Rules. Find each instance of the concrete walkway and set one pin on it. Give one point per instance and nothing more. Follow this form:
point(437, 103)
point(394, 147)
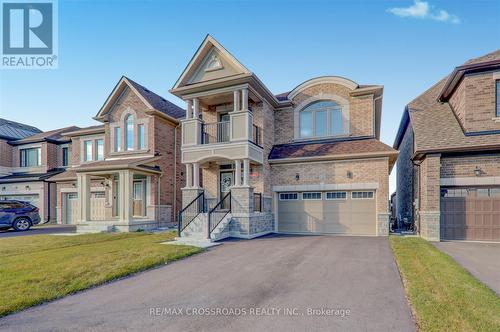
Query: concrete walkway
point(275, 283)
point(482, 260)
point(39, 230)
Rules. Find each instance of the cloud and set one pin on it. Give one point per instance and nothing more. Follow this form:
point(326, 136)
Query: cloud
point(422, 10)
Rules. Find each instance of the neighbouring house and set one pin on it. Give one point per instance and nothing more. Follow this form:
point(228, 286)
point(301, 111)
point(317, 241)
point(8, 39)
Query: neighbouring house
point(448, 171)
point(29, 159)
point(124, 174)
point(305, 161)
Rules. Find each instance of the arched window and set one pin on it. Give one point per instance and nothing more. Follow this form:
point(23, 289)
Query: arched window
point(129, 129)
point(322, 118)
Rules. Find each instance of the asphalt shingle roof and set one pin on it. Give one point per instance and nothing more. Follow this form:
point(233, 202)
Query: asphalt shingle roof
point(158, 102)
point(52, 135)
point(15, 130)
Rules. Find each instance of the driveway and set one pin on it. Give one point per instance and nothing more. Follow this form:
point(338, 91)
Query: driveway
point(482, 260)
point(266, 284)
point(38, 230)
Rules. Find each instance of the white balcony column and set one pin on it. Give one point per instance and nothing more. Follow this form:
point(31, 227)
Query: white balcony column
point(189, 108)
point(236, 101)
point(246, 172)
point(196, 175)
point(237, 173)
point(83, 182)
point(196, 108)
point(244, 99)
point(189, 181)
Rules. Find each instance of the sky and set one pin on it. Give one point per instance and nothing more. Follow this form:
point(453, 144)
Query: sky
point(405, 45)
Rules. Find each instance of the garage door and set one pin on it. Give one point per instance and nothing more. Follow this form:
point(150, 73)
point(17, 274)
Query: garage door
point(470, 213)
point(336, 212)
point(32, 199)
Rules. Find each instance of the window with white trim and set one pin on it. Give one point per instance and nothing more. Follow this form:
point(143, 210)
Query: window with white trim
point(87, 151)
point(336, 195)
point(288, 196)
point(118, 139)
point(362, 195)
point(30, 157)
point(321, 119)
point(141, 143)
point(129, 130)
point(311, 196)
point(99, 149)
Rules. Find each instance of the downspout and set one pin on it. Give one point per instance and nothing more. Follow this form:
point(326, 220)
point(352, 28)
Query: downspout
point(174, 203)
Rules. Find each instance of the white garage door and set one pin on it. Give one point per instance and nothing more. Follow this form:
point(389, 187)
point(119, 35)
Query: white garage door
point(335, 212)
point(32, 199)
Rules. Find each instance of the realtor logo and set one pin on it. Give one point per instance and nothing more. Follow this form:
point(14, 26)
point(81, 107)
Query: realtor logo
point(29, 34)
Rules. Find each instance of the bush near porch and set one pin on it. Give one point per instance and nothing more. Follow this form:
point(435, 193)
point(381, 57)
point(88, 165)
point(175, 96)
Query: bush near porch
point(39, 268)
point(443, 296)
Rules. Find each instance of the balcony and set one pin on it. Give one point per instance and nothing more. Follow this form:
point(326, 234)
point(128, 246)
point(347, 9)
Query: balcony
point(219, 132)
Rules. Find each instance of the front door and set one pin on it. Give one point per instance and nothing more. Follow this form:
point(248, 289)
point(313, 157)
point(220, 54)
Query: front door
point(226, 182)
point(139, 198)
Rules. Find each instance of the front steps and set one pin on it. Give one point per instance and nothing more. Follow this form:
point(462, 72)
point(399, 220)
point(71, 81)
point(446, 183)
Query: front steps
point(94, 228)
point(197, 230)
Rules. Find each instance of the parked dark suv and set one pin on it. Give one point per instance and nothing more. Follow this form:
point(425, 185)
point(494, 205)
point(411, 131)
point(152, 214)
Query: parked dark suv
point(18, 215)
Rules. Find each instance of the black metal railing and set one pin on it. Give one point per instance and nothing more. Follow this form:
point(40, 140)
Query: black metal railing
point(190, 212)
point(257, 202)
point(217, 132)
point(218, 213)
point(257, 135)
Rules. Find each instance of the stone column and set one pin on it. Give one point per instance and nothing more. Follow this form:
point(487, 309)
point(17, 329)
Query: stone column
point(244, 99)
point(246, 172)
point(126, 180)
point(236, 101)
point(189, 109)
point(241, 200)
point(196, 175)
point(196, 108)
point(83, 182)
point(189, 180)
point(237, 173)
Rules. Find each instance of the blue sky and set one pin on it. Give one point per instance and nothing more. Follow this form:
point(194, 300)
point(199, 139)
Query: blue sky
point(404, 45)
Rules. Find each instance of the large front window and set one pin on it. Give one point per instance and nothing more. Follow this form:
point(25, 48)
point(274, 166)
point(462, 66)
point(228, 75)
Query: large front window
point(31, 157)
point(321, 119)
point(129, 124)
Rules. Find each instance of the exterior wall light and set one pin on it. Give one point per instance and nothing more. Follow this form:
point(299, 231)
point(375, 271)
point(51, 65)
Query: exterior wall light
point(297, 176)
point(349, 174)
point(27, 187)
point(477, 171)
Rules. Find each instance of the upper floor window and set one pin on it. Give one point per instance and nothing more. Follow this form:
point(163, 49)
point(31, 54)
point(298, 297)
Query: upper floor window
point(140, 136)
point(100, 149)
point(65, 156)
point(497, 85)
point(87, 151)
point(129, 128)
point(31, 157)
point(322, 118)
point(118, 139)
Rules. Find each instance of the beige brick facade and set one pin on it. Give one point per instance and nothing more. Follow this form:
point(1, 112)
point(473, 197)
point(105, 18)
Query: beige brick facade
point(465, 166)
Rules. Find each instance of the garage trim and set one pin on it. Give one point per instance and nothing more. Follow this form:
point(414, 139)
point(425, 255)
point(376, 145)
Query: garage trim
point(327, 187)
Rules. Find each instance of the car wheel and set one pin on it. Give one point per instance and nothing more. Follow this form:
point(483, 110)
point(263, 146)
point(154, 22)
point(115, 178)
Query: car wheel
point(22, 224)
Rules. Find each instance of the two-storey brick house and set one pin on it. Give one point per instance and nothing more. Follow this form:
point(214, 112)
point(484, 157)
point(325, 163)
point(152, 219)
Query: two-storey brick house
point(29, 158)
point(305, 161)
point(448, 172)
point(124, 174)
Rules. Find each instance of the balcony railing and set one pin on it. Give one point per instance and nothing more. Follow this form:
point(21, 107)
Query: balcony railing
point(257, 135)
point(217, 132)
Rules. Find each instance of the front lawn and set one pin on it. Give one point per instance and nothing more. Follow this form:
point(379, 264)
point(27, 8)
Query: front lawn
point(443, 296)
point(39, 268)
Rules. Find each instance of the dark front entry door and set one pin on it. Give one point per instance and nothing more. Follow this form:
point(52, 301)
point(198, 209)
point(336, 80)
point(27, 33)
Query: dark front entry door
point(226, 182)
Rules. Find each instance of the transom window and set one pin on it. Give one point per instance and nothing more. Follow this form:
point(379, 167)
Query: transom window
point(288, 196)
point(311, 196)
point(362, 195)
point(321, 119)
point(335, 195)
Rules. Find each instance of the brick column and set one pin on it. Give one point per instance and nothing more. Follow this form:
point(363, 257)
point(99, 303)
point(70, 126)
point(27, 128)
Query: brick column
point(430, 195)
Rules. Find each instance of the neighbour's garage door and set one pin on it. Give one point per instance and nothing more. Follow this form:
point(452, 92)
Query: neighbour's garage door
point(32, 199)
point(470, 213)
point(341, 212)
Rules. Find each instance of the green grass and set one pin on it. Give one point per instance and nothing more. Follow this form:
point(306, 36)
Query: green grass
point(443, 296)
point(36, 269)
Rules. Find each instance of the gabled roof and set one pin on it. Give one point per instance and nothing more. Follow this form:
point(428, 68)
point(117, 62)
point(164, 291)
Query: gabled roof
point(436, 128)
point(53, 136)
point(153, 101)
point(207, 45)
point(14, 130)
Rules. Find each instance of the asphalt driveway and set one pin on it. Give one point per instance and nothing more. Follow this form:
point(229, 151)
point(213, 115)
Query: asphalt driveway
point(275, 283)
point(482, 260)
point(38, 230)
